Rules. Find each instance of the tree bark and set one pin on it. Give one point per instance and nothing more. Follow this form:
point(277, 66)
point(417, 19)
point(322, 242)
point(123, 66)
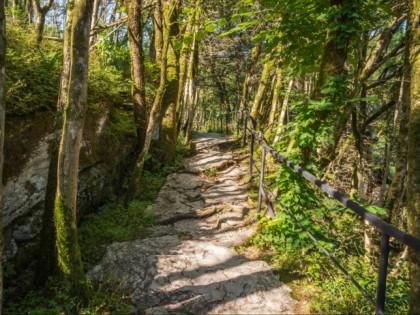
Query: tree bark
point(263, 86)
point(155, 113)
point(158, 30)
point(276, 99)
point(135, 37)
point(255, 54)
point(2, 128)
point(191, 82)
point(413, 182)
point(169, 129)
point(47, 259)
point(69, 257)
point(41, 13)
point(183, 70)
point(396, 187)
point(95, 13)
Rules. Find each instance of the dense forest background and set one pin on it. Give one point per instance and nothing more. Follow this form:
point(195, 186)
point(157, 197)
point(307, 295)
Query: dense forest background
point(112, 90)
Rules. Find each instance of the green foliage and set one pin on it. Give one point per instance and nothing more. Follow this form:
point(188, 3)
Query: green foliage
point(120, 126)
point(58, 298)
point(116, 54)
point(113, 223)
point(33, 75)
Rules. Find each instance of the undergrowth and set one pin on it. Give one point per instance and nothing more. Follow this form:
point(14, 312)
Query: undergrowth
point(302, 265)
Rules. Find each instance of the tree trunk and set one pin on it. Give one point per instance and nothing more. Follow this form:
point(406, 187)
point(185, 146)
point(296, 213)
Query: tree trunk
point(255, 54)
point(396, 187)
point(95, 12)
point(413, 182)
point(283, 113)
point(191, 116)
point(135, 37)
point(262, 89)
point(47, 259)
point(155, 113)
point(332, 65)
point(276, 99)
point(183, 70)
point(68, 250)
point(2, 122)
point(158, 30)
point(41, 13)
point(169, 129)
point(191, 81)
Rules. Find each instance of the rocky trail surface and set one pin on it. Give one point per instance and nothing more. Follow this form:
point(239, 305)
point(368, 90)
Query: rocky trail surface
point(188, 264)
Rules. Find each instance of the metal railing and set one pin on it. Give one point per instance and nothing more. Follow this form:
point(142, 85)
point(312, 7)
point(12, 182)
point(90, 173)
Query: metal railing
point(385, 228)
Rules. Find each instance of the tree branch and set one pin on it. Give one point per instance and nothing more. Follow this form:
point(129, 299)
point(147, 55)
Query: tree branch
point(376, 115)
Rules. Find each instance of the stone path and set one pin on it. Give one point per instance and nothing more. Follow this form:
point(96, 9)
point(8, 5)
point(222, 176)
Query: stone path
point(187, 264)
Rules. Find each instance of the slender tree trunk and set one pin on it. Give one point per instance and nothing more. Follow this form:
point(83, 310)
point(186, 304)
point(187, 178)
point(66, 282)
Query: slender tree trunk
point(255, 54)
point(155, 113)
point(68, 250)
point(158, 30)
point(41, 13)
point(169, 129)
point(263, 86)
point(2, 123)
point(413, 183)
point(95, 12)
point(276, 99)
point(183, 70)
point(397, 184)
point(191, 117)
point(47, 259)
point(283, 113)
point(191, 81)
point(135, 37)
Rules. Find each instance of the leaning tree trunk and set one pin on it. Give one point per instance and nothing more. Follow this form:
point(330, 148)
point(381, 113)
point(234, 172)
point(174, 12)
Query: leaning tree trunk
point(68, 250)
point(135, 37)
point(2, 122)
point(413, 182)
point(47, 258)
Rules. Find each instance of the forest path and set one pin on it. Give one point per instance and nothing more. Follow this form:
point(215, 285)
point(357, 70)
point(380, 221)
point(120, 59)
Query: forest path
point(187, 264)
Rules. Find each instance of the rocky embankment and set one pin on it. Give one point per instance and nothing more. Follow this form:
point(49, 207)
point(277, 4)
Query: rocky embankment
point(102, 160)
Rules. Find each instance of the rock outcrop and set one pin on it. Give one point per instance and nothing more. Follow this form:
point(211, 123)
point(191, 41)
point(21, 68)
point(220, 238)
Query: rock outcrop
point(26, 169)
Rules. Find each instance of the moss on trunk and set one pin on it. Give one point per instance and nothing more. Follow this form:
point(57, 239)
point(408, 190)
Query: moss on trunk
point(68, 250)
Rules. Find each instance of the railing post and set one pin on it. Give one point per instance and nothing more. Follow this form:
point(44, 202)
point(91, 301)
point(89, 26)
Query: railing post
point(382, 274)
point(251, 157)
point(245, 130)
point(261, 180)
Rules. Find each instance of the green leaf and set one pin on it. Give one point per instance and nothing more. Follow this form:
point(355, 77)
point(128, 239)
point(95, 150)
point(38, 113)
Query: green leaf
point(200, 35)
point(210, 28)
point(376, 210)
